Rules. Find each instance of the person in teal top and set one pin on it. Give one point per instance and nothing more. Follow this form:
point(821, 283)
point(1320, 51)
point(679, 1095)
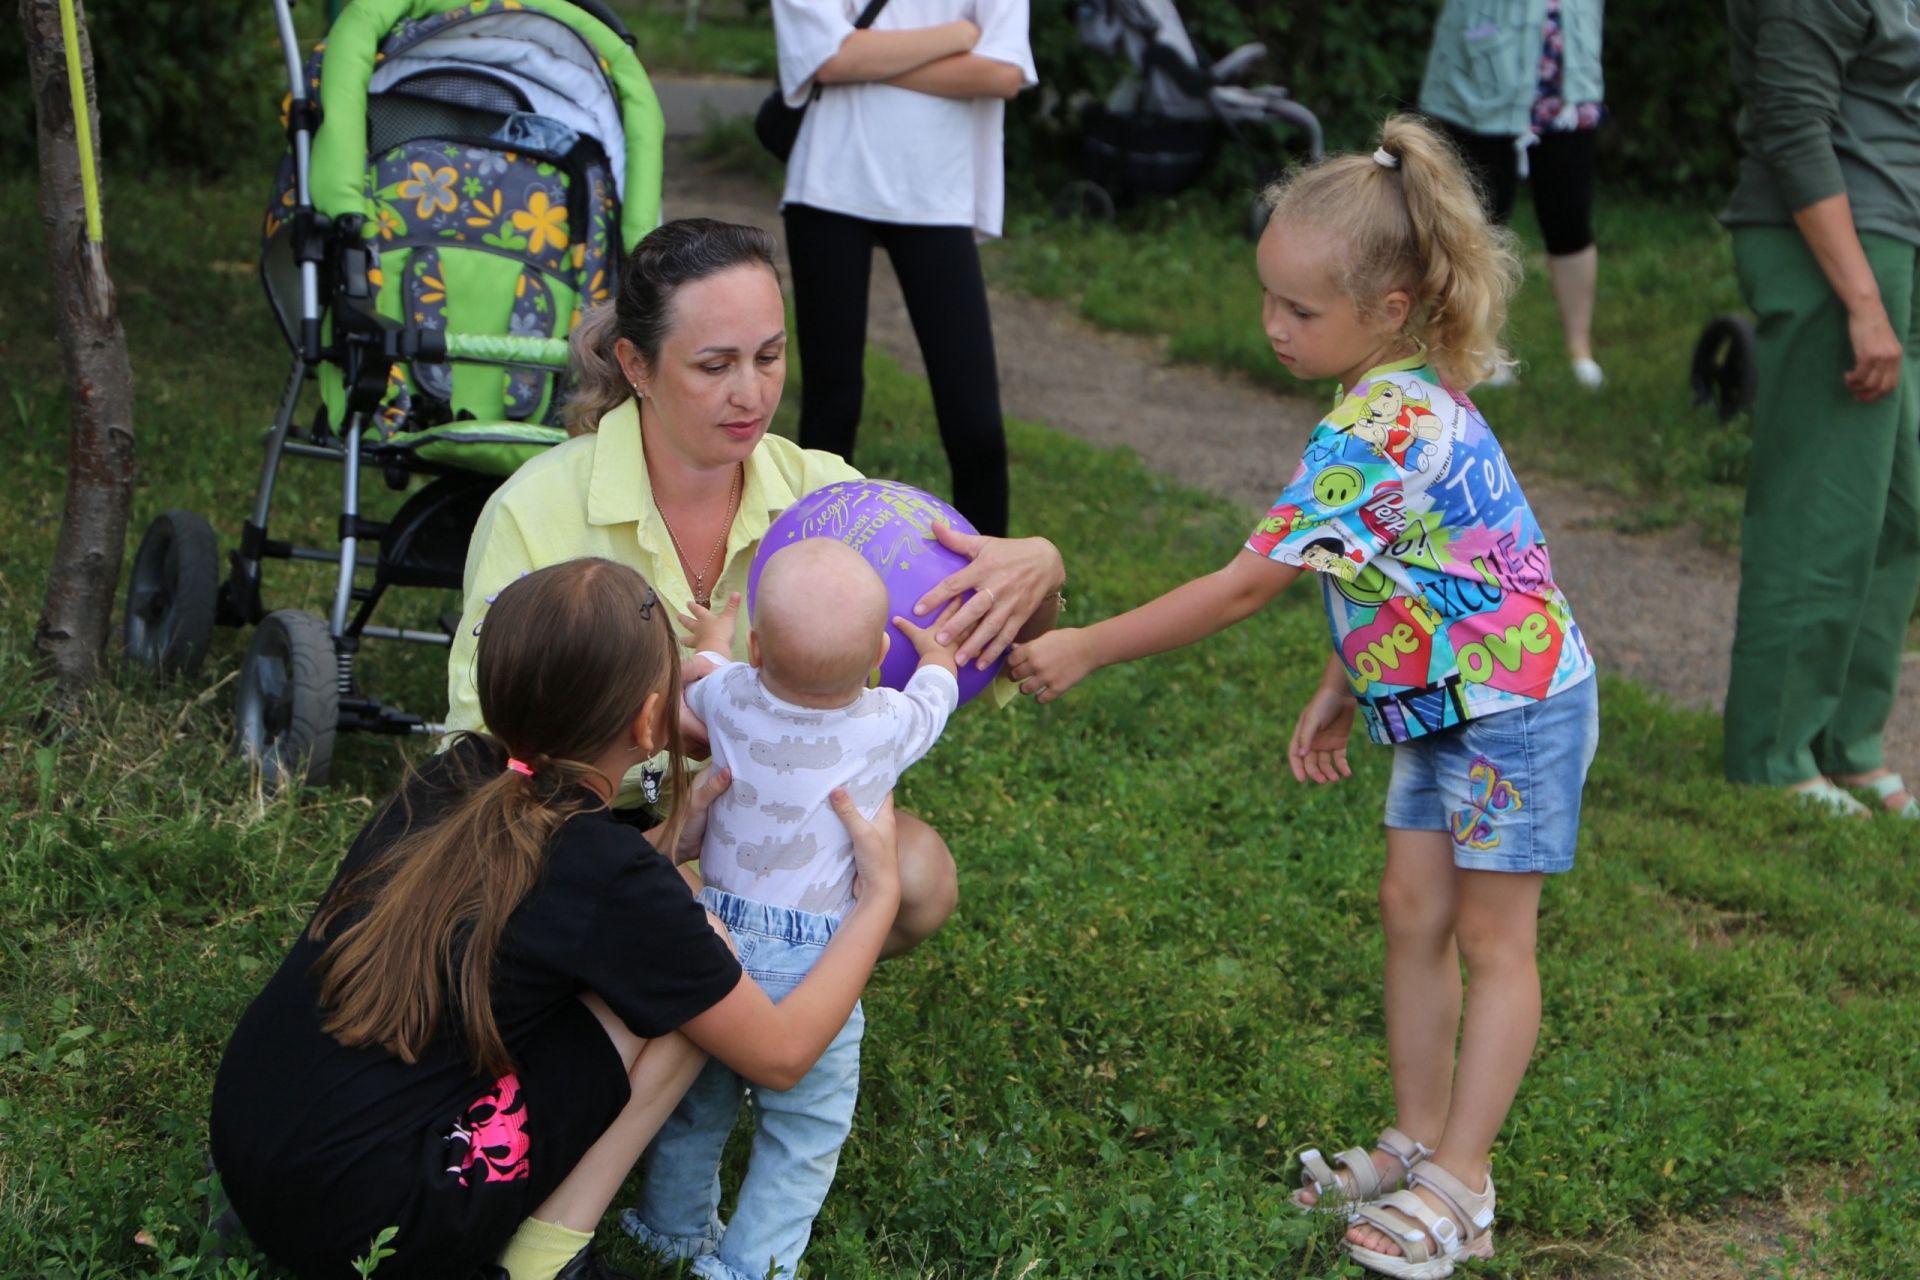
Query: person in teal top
point(1449, 638)
point(1826, 236)
point(1517, 84)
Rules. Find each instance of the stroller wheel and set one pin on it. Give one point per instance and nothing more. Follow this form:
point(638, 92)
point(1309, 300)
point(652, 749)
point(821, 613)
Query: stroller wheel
point(1257, 214)
point(1081, 200)
point(1725, 373)
point(287, 704)
point(171, 593)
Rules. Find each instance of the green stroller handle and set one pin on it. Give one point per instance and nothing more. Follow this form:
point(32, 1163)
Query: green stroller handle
point(496, 348)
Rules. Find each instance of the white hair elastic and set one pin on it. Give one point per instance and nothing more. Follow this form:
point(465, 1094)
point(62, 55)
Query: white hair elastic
point(1385, 158)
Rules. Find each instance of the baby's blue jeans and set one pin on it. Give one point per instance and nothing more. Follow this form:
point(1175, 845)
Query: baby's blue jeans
point(797, 1132)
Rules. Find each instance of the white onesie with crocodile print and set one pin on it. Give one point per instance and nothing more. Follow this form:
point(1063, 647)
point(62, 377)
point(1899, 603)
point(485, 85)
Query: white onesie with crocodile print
point(774, 837)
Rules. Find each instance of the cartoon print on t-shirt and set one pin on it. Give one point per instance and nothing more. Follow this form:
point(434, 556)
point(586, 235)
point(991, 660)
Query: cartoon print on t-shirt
point(1329, 556)
point(777, 853)
point(868, 791)
point(1435, 572)
point(1281, 521)
point(1393, 424)
point(791, 753)
point(784, 814)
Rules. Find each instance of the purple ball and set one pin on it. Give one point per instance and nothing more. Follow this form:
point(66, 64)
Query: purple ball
point(891, 525)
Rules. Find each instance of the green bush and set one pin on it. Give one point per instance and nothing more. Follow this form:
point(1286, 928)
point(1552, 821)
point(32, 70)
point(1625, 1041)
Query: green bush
point(183, 84)
point(1668, 84)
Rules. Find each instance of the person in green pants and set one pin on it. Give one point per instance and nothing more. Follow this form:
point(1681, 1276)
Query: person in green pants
point(1826, 235)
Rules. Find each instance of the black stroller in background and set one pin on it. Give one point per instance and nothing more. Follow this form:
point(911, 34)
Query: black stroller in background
point(1155, 133)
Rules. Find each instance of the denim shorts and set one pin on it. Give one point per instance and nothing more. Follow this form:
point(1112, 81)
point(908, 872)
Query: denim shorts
point(1505, 787)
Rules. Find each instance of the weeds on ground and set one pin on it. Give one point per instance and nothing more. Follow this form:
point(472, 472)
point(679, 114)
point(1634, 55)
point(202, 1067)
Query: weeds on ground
point(1163, 978)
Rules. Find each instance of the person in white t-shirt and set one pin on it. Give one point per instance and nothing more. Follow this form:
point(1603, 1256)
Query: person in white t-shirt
point(903, 147)
point(789, 727)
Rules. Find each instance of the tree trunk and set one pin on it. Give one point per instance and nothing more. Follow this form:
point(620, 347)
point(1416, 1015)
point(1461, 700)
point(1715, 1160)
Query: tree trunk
point(72, 634)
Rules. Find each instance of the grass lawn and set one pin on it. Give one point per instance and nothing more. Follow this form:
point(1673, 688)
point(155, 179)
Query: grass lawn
point(728, 42)
point(1164, 975)
point(1184, 269)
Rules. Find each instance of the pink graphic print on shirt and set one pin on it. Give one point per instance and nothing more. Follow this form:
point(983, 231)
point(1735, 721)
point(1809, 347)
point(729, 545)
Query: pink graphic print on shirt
point(492, 1136)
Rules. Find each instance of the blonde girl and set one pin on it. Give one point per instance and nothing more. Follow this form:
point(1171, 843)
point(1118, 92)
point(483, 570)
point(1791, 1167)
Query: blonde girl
point(1450, 640)
point(506, 989)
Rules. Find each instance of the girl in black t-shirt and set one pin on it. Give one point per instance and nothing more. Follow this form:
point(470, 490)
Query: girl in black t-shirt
point(506, 989)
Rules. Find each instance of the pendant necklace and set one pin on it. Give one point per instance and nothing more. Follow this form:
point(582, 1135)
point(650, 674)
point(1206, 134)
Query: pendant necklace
point(700, 592)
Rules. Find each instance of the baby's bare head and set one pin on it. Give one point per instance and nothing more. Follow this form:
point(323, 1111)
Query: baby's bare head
point(818, 615)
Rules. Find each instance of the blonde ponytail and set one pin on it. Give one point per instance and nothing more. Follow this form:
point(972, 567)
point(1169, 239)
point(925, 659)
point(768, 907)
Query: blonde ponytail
point(1415, 224)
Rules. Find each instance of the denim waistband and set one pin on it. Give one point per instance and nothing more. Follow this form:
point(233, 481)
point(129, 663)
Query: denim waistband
point(789, 924)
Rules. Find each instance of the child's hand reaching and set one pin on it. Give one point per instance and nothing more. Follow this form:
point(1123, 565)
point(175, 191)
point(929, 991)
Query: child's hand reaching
point(1049, 665)
point(926, 640)
point(710, 631)
point(1318, 752)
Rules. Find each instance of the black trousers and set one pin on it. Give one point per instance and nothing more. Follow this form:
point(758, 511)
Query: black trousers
point(1561, 174)
point(939, 270)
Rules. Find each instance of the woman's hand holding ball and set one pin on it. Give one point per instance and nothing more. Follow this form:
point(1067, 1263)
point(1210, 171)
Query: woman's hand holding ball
point(1009, 578)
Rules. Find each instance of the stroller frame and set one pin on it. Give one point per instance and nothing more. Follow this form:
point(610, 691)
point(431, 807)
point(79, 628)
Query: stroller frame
point(298, 685)
point(1154, 134)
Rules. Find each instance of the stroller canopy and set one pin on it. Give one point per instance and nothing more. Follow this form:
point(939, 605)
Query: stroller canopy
point(564, 62)
point(1150, 35)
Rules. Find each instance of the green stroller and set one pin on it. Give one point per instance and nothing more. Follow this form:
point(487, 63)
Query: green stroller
point(462, 180)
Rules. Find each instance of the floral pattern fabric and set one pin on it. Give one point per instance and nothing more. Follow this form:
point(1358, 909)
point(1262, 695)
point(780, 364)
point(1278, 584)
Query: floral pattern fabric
point(432, 192)
point(429, 196)
point(1439, 589)
point(1550, 114)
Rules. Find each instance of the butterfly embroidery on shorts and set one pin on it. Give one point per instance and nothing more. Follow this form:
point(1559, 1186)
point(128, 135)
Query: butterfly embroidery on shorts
point(1488, 796)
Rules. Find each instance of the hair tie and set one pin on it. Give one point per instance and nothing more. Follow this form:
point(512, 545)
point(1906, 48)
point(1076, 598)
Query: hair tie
point(520, 767)
point(1385, 158)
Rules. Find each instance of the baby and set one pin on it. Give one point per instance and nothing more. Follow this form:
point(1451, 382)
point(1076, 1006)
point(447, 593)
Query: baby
point(792, 723)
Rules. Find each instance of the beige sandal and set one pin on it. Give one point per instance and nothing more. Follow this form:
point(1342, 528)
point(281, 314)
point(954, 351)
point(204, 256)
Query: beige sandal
point(1884, 789)
point(1362, 1178)
point(1430, 1242)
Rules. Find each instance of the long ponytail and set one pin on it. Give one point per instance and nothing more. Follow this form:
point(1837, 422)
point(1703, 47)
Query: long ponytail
point(1415, 223)
point(568, 656)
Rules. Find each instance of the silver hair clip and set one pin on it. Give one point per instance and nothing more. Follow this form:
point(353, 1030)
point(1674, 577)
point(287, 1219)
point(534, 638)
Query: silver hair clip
point(646, 606)
point(1385, 158)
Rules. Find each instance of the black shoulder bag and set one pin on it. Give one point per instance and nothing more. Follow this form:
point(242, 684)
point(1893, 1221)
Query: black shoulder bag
point(776, 124)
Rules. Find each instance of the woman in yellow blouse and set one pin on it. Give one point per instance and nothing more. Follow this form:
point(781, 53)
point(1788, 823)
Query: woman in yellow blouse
point(671, 471)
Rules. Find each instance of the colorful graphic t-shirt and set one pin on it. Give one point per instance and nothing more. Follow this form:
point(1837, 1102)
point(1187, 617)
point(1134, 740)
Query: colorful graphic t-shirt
point(1438, 586)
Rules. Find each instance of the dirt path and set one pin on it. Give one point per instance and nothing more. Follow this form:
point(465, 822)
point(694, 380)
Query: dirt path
point(1655, 607)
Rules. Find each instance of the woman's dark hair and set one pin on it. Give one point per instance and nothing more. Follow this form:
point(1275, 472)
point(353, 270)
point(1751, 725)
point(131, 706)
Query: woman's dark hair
point(567, 657)
point(669, 257)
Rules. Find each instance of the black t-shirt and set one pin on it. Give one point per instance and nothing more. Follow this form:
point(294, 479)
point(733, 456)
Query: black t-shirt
point(301, 1122)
